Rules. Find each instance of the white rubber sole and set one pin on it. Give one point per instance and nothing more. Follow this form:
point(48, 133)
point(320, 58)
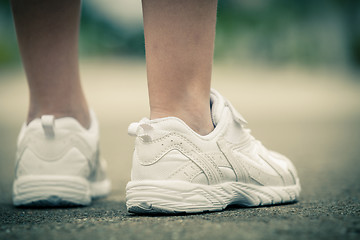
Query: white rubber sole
point(57, 191)
point(174, 197)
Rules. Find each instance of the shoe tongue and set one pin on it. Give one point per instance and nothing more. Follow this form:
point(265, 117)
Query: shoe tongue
point(217, 104)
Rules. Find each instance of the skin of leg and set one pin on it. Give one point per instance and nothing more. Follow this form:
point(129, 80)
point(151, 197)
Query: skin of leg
point(179, 41)
point(47, 32)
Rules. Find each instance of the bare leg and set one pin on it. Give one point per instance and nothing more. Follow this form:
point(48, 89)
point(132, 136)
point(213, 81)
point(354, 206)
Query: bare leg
point(47, 32)
point(179, 40)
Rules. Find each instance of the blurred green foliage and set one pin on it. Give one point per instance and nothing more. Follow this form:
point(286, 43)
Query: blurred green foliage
point(101, 35)
point(8, 47)
point(322, 32)
point(290, 31)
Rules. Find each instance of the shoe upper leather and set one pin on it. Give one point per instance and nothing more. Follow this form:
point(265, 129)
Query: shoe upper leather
point(62, 146)
point(167, 148)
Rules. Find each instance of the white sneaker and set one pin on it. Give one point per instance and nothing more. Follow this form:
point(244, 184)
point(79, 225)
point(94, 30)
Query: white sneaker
point(175, 170)
point(58, 163)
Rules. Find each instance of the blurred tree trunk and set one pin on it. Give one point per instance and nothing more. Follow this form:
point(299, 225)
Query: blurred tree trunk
point(352, 31)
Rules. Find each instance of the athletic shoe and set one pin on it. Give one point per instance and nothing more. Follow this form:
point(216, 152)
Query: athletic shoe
point(58, 163)
point(176, 170)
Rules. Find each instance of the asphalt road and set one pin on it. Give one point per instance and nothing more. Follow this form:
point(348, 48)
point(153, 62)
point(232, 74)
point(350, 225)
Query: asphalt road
point(311, 116)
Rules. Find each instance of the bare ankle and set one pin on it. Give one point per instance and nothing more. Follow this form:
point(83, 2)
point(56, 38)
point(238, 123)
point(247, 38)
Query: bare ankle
point(82, 115)
point(200, 123)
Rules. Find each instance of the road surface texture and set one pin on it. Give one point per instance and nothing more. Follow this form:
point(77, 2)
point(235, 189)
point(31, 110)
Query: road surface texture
point(312, 116)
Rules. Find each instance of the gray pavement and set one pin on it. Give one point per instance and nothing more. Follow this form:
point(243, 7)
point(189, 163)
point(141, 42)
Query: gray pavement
point(311, 116)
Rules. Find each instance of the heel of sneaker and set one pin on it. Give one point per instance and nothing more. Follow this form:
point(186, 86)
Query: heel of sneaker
point(51, 191)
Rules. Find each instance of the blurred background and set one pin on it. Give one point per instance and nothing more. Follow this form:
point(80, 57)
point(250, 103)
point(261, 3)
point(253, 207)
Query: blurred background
point(275, 32)
point(284, 32)
point(291, 68)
